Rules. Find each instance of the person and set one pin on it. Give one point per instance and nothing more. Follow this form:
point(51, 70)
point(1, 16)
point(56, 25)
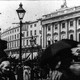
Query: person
point(68, 67)
point(5, 66)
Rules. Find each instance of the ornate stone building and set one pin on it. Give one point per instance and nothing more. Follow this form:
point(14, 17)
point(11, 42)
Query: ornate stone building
point(29, 29)
point(63, 23)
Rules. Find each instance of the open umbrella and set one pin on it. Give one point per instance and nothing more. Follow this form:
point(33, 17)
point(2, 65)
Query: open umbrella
point(59, 51)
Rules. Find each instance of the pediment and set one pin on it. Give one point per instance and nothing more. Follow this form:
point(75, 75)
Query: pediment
point(63, 32)
point(55, 33)
point(71, 31)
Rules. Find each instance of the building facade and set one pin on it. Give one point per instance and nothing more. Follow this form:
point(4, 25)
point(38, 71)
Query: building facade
point(12, 36)
point(61, 24)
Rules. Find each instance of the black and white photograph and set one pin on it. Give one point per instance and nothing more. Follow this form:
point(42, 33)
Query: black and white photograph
point(39, 40)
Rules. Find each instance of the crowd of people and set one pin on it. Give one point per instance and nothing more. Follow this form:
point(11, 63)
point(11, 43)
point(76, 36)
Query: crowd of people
point(58, 62)
point(63, 59)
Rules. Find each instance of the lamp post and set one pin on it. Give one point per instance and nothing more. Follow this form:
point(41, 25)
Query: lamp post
point(32, 46)
point(21, 12)
point(0, 33)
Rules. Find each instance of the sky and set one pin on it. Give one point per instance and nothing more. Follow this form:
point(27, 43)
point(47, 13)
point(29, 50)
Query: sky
point(34, 10)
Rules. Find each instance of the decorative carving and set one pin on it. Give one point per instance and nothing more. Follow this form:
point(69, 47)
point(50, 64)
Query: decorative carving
point(63, 32)
point(64, 4)
point(48, 34)
point(71, 31)
point(55, 33)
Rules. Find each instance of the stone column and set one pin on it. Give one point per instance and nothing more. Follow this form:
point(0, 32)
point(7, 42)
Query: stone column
point(59, 31)
point(44, 36)
point(67, 29)
point(51, 33)
point(75, 29)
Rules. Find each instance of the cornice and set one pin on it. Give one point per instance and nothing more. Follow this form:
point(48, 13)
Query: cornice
point(62, 11)
point(9, 29)
point(61, 18)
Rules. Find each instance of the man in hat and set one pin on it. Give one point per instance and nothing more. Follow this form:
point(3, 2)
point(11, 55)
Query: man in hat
point(5, 62)
point(69, 68)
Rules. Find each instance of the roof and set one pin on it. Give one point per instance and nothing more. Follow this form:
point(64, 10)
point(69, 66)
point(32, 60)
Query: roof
point(62, 11)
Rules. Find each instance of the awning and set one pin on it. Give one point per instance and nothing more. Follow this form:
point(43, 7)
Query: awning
point(29, 55)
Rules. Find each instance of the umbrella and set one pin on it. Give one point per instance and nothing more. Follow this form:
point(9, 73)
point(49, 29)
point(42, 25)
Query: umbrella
point(59, 51)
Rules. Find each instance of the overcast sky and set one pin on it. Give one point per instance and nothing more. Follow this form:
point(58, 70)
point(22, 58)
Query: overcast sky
point(34, 9)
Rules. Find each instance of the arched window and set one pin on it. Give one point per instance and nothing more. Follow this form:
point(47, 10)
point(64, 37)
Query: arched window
point(71, 37)
point(56, 40)
point(49, 43)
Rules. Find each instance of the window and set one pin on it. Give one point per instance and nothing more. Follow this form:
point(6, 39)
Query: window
point(35, 41)
point(55, 40)
point(31, 32)
point(9, 45)
point(49, 28)
point(63, 25)
point(18, 43)
point(71, 23)
point(34, 32)
point(56, 26)
point(23, 34)
point(17, 36)
point(17, 29)
point(71, 37)
point(10, 37)
point(26, 27)
point(79, 22)
point(31, 26)
point(15, 44)
point(23, 42)
point(34, 25)
point(27, 33)
point(12, 44)
point(26, 42)
point(49, 43)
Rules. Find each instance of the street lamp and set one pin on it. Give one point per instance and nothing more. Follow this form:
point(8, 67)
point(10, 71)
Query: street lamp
point(21, 12)
point(32, 41)
point(0, 33)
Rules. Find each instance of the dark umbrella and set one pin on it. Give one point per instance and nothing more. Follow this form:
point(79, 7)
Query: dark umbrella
point(59, 51)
